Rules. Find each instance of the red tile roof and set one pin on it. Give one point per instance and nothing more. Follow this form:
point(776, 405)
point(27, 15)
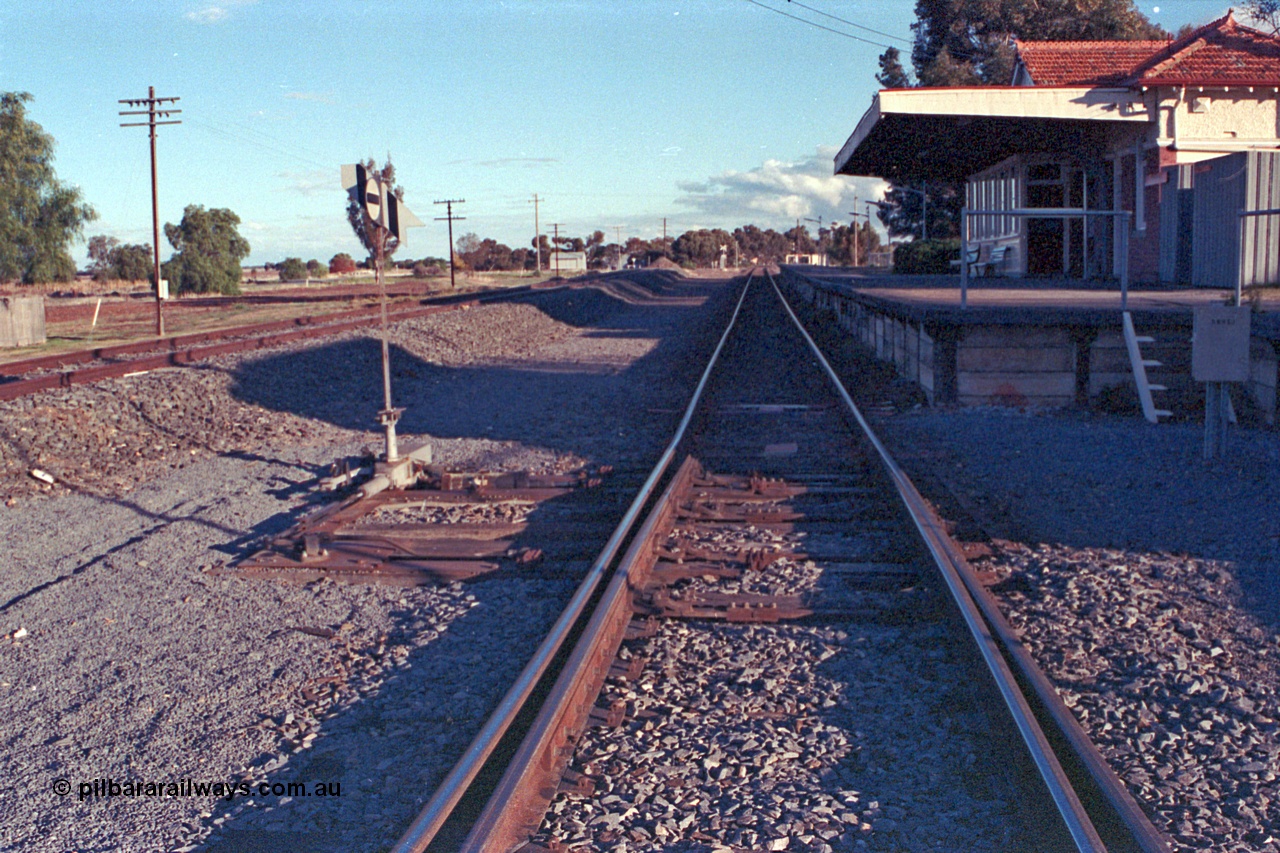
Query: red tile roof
point(1220, 52)
point(1084, 63)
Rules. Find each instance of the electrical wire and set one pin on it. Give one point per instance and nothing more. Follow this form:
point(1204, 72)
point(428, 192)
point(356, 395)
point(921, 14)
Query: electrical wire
point(820, 26)
point(851, 23)
point(275, 148)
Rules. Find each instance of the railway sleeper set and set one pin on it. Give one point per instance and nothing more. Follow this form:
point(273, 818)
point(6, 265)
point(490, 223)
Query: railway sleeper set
point(778, 648)
point(773, 664)
point(21, 377)
point(786, 655)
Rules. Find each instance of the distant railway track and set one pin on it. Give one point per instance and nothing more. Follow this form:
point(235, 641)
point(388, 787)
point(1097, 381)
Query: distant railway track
point(786, 526)
point(42, 373)
point(142, 306)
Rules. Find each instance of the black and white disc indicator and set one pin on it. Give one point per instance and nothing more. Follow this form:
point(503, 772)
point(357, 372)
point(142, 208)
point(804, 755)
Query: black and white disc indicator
point(373, 200)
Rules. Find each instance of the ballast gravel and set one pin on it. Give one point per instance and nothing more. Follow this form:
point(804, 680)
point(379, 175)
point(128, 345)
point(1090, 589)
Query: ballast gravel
point(127, 658)
point(817, 738)
point(1144, 580)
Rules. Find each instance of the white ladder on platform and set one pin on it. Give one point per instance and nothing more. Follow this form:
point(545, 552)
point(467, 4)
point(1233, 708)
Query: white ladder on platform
point(1140, 365)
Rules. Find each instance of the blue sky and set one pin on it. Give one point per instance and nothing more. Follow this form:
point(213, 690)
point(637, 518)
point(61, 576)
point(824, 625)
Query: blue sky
point(712, 113)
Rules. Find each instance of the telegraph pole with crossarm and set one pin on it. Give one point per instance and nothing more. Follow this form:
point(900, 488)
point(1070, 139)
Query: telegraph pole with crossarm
point(155, 116)
point(449, 203)
point(537, 236)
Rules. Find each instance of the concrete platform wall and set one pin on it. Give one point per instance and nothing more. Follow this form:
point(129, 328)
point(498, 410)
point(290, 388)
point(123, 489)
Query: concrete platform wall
point(973, 363)
point(21, 321)
point(1015, 366)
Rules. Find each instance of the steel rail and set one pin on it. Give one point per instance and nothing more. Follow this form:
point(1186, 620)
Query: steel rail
point(936, 539)
point(179, 357)
point(173, 342)
point(1148, 838)
point(518, 802)
point(173, 353)
point(450, 791)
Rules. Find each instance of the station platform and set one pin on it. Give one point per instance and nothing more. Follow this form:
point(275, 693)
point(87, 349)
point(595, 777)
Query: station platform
point(1029, 342)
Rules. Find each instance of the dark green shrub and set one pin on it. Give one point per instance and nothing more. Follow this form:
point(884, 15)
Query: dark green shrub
point(926, 257)
point(292, 269)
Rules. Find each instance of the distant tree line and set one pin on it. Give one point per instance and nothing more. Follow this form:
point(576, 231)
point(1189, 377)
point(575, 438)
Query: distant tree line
point(693, 248)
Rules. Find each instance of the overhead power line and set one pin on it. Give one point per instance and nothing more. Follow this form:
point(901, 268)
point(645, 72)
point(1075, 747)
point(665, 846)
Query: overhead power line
point(275, 146)
point(852, 24)
point(820, 26)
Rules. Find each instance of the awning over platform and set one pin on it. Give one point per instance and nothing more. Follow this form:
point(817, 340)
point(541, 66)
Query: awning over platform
point(947, 134)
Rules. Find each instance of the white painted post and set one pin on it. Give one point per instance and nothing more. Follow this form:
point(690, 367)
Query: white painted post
point(1124, 260)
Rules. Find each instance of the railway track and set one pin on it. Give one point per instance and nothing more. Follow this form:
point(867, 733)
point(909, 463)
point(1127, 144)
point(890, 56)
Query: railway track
point(41, 373)
point(788, 655)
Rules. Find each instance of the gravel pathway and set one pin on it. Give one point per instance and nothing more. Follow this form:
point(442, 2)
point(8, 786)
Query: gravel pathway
point(124, 659)
point(1144, 580)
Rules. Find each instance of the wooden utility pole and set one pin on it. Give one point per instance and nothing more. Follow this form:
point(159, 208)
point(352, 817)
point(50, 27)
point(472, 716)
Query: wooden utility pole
point(449, 203)
point(555, 245)
point(153, 114)
point(537, 238)
point(617, 230)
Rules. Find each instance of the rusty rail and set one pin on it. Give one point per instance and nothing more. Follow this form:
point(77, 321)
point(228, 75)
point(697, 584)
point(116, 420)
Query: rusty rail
point(181, 349)
point(976, 603)
point(519, 801)
point(535, 772)
point(451, 789)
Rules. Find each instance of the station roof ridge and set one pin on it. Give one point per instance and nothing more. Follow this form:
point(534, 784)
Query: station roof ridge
point(1220, 52)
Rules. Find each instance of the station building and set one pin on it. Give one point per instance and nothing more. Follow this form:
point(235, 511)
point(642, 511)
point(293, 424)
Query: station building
point(1115, 161)
point(1104, 126)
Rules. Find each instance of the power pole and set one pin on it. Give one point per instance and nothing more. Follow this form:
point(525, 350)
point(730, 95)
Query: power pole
point(664, 231)
point(617, 230)
point(152, 113)
point(449, 203)
point(537, 238)
point(855, 216)
point(555, 245)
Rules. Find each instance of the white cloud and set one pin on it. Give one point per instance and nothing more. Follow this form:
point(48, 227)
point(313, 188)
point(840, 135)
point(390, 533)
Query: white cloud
point(215, 12)
point(776, 193)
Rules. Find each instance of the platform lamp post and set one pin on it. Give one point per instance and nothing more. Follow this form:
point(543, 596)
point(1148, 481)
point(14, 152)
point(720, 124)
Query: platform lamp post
point(855, 214)
point(819, 221)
